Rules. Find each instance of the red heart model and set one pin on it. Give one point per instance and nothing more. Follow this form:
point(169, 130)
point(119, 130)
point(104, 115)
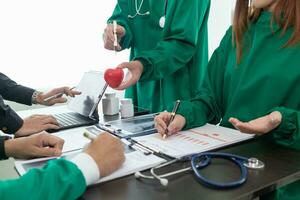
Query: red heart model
point(114, 77)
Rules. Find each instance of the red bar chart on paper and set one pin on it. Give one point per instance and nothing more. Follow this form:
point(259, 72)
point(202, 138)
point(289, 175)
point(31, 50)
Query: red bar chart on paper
point(193, 141)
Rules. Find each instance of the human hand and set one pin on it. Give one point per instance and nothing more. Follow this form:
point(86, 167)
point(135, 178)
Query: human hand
point(38, 145)
point(108, 36)
point(37, 123)
point(260, 125)
point(161, 123)
point(135, 70)
point(56, 96)
point(108, 153)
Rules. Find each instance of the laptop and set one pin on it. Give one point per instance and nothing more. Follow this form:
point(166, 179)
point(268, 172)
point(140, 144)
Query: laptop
point(83, 108)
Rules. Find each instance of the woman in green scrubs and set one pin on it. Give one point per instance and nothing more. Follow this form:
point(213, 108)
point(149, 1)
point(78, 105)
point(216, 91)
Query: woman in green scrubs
point(169, 48)
point(253, 79)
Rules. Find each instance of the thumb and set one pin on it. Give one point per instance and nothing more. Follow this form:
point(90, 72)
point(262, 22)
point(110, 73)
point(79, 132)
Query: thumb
point(123, 65)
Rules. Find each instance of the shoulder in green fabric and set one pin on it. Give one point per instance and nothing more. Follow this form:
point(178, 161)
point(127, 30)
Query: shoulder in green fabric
point(60, 180)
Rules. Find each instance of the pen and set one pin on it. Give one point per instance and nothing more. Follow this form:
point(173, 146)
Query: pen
point(149, 150)
point(56, 96)
point(89, 136)
point(171, 118)
point(115, 36)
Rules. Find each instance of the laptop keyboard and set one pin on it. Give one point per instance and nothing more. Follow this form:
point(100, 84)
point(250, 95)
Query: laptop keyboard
point(70, 120)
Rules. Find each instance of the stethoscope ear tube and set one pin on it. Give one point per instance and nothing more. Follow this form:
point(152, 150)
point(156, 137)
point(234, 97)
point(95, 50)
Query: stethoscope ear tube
point(202, 160)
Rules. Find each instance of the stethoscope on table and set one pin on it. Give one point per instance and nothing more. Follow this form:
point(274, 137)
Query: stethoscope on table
point(202, 160)
point(138, 8)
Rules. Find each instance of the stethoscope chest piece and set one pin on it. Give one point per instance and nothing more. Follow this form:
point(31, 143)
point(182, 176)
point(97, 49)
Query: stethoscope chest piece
point(162, 22)
point(254, 163)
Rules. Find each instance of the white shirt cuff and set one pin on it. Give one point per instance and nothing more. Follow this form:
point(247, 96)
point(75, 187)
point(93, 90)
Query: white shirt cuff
point(88, 167)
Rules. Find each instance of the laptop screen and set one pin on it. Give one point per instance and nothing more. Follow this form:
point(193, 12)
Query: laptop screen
point(90, 87)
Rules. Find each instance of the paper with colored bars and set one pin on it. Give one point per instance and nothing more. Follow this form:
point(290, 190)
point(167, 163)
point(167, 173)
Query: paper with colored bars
point(193, 141)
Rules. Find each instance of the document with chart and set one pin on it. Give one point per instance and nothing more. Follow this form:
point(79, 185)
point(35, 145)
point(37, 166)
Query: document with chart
point(193, 141)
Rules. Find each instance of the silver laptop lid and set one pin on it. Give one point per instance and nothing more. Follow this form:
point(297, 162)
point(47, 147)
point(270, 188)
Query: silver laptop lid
point(90, 87)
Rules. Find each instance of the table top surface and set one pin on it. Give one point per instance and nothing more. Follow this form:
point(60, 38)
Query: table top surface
point(281, 168)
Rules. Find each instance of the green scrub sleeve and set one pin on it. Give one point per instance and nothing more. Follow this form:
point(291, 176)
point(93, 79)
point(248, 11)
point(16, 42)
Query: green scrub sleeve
point(60, 180)
point(180, 38)
point(206, 106)
point(120, 14)
point(288, 133)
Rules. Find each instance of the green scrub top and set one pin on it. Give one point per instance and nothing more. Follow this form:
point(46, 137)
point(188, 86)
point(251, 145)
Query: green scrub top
point(174, 57)
point(267, 79)
point(59, 180)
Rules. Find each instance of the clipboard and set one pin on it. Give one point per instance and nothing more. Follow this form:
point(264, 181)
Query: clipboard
point(131, 127)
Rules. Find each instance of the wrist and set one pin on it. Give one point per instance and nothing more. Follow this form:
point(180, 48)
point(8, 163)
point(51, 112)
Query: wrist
point(140, 65)
point(88, 167)
point(9, 147)
point(37, 97)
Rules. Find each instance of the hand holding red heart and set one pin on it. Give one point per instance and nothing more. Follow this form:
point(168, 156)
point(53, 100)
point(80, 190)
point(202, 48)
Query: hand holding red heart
point(114, 77)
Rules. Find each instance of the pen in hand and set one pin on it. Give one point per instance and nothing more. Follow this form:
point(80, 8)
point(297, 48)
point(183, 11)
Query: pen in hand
point(89, 136)
point(115, 35)
point(56, 96)
point(173, 114)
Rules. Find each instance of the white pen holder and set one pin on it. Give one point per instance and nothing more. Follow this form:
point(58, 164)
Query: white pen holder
point(110, 104)
point(126, 108)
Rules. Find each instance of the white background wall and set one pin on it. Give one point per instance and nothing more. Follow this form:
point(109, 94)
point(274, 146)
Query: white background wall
point(48, 43)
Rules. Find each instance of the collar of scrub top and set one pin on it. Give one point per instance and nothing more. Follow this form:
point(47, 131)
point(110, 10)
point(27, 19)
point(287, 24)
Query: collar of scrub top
point(138, 8)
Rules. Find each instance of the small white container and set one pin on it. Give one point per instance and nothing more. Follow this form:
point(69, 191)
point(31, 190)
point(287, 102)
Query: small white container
point(126, 108)
point(110, 104)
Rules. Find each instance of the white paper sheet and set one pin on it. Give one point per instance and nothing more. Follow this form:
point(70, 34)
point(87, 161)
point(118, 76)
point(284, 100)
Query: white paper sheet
point(193, 141)
point(74, 139)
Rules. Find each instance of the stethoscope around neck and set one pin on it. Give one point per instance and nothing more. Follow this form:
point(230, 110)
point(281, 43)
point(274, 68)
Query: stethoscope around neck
point(202, 160)
point(138, 8)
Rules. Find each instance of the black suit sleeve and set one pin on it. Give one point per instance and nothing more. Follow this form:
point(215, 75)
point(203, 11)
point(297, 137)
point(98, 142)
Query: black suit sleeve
point(10, 121)
point(12, 91)
point(2, 149)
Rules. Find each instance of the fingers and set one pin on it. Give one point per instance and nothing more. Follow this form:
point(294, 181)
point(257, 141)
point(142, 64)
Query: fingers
point(47, 152)
point(120, 31)
point(56, 91)
point(160, 122)
point(47, 122)
point(241, 126)
point(47, 145)
point(50, 126)
point(108, 37)
point(55, 95)
point(176, 125)
point(53, 141)
point(124, 65)
point(126, 84)
point(73, 93)
point(49, 119)
point(132, 76)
